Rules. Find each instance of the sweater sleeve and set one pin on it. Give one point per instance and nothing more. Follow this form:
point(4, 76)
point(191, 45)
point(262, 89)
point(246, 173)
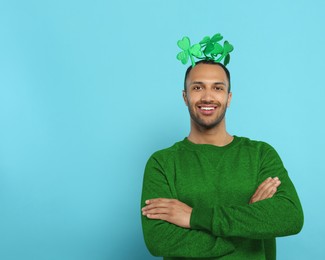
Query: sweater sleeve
point(168, 240)
point(280, 215)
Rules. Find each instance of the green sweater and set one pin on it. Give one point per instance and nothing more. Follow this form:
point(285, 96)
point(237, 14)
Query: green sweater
point(218, 182)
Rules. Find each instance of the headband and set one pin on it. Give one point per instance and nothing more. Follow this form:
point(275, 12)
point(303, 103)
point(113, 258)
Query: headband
point(207, 49)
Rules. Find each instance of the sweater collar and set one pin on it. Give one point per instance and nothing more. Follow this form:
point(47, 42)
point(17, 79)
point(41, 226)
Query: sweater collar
point(194, 146)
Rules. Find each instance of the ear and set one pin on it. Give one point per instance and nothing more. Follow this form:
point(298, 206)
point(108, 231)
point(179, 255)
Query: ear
point(229, 99)
point(185, 98)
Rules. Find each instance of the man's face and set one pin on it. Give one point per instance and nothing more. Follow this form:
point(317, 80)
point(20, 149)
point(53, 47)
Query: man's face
point(206, 95)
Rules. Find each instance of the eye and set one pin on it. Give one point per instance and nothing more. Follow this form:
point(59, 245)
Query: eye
point(197, 87)
point(218, 88)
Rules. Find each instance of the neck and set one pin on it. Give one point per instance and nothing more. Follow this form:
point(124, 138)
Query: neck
point(217, 136)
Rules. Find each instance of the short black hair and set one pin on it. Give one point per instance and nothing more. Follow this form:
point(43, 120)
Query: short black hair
point(211, 62)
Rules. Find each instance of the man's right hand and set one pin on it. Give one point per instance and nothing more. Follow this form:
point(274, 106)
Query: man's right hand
point(266, 190)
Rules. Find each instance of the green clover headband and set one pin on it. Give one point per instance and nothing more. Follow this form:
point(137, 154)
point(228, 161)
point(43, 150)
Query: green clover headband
point(207, 49)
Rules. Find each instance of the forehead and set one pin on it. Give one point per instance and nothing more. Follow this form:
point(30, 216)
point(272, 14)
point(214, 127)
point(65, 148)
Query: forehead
point(207, 73)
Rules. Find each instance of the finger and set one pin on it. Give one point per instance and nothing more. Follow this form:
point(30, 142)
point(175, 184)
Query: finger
point(262, 185)
point(158, 216)
point(270, 193)
point(157, 204)
point(151, 201)
point(273, 190)
point(265, 189)
point(277, 183)
point(269, 189)
point(156, 211)
point(154, 202)
point(257, 195)
point(267, 182)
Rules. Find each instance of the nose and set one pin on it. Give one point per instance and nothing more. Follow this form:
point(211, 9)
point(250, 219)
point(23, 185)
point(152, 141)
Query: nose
point(207, 95)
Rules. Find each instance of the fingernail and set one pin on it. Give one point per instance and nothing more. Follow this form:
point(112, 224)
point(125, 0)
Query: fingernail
point(147, 201)
point(276, 178)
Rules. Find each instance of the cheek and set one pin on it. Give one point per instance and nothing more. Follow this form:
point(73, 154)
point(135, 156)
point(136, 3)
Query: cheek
point(189, 100)
point(193, 98)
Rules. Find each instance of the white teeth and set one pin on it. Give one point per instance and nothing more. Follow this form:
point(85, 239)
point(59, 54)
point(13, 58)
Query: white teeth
point(207, 108)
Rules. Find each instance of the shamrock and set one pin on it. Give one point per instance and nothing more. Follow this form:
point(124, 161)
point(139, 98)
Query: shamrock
point(188, 51)
point(207, 49)
point(227, 48)
point(212, 47)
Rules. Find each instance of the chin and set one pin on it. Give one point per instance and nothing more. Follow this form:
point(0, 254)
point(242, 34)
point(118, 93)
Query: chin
point(208, 125)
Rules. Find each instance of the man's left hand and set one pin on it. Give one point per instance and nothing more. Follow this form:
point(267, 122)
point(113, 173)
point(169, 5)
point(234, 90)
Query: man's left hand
point(170, 210)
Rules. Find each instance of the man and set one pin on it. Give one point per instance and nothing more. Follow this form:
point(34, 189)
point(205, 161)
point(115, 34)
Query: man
point(214, 195)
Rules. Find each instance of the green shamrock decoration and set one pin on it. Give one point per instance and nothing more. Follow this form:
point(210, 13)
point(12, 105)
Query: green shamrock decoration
point(188, 51)
point(207, 49)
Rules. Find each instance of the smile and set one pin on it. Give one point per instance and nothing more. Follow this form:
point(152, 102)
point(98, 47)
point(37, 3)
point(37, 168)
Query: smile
point(207, 108)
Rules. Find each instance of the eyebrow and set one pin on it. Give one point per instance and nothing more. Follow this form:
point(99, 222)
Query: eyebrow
point(202, 83)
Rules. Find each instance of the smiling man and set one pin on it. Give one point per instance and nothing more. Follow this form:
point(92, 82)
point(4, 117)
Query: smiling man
point(215, 195)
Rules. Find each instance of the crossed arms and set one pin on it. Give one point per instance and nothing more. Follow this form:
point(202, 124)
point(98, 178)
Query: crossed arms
point(178, 213)
point(173, 229)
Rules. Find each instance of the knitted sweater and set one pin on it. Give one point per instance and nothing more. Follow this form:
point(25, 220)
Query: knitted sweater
point(218, 182)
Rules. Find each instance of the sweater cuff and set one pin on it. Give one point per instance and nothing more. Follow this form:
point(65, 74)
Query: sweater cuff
point(201, 219)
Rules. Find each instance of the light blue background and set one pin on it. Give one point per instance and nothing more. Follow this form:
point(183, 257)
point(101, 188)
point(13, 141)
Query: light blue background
point(89, 89)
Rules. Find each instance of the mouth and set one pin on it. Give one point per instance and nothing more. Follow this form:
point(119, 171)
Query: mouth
point(207, 109)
